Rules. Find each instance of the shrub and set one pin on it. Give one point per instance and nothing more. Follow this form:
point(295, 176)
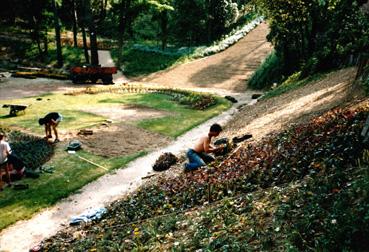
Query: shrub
point(270, 71)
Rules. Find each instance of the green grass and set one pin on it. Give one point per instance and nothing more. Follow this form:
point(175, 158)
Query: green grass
point(73, 108)
point(139, 63)
point(50, 188)
point(181, 118)
point(70, 174)
point(292, 83)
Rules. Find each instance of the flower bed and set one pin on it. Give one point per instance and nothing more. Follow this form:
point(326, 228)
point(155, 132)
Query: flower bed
point(194, 100)
point(33, 151)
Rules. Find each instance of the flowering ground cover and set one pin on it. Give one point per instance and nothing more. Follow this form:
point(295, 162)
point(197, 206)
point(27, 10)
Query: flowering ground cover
point(302, 189)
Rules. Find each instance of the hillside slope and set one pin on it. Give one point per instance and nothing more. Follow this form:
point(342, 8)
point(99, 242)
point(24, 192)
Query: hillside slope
point(299, 188)
point(296, 106)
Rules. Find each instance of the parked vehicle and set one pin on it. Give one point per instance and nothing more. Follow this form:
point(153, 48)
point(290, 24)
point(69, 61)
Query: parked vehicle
point(92, 74)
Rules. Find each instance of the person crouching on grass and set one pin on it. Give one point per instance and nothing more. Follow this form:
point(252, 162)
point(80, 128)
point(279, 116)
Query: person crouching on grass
point(51, 120)
point(198, 156)
point(4, 162)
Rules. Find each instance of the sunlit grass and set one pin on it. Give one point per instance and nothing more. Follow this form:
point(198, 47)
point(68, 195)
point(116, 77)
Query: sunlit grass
point(73, 109)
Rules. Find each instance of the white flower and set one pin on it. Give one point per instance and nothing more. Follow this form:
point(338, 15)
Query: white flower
point(334, 221)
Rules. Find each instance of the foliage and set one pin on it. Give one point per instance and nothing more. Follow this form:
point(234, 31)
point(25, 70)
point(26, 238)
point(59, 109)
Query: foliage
point(287, 191)
point(316, 35)
point(293, 82)
point(270, 71)
point(138, 63)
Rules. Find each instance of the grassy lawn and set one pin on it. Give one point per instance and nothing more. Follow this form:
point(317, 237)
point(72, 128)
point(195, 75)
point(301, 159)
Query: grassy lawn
point(49, 188)
point(181, 118)
point(73, 108)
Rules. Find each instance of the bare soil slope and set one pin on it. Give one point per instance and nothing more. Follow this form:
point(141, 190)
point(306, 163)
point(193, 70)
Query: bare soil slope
point(227, 70)
point(297, 106)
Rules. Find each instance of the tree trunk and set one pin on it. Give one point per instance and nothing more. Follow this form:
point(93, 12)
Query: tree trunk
point(93, 46)
point(75, 22)
point(164, 29)
point(85, 48)
point(36, 37)
point(124, 6)
point(46, 45)
point(93, 35)
point(59, 55)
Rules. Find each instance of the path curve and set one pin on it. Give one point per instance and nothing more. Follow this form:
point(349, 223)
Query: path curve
point(228, 70)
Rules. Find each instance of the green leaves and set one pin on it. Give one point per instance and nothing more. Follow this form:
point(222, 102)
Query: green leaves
point(161, 5)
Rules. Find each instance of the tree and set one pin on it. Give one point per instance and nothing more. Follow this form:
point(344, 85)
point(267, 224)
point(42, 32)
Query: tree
point(162, 7)
point(190, 17)
point(222, 13)
point(59, 55)
point(315, 34)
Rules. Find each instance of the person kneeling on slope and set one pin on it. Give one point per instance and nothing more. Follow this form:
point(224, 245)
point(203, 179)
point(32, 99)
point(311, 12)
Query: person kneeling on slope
point(199, 155)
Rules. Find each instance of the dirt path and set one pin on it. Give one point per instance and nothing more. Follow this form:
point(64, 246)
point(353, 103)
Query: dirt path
point(228, 70)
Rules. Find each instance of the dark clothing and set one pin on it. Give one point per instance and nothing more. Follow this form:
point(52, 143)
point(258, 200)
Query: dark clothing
point(197, 159)
point(51, 116)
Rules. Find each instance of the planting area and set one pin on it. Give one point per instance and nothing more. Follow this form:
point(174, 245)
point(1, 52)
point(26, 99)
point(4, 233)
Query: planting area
point(124, 125)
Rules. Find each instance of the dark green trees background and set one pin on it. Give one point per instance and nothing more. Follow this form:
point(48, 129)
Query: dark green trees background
point(175, 22)
point(309, 36)
point(313, 36)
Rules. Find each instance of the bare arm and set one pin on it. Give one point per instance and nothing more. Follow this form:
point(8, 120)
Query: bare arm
point(46, 130)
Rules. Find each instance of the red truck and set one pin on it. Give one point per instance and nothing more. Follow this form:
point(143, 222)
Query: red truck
point(92, 74)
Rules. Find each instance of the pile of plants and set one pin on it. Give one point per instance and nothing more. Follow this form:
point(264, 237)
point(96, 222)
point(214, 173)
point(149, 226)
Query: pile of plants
point(192, 99)
point(165, 161)
point(288, 189)
point(33, 151)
